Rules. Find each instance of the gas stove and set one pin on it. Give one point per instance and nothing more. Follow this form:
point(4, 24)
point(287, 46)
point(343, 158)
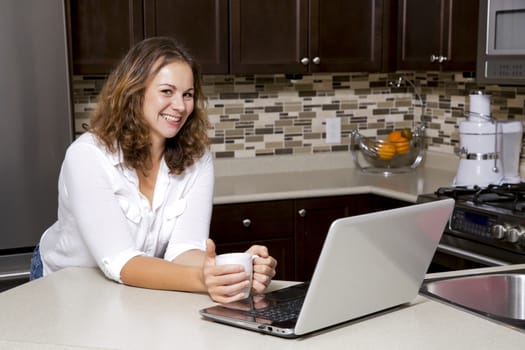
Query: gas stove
point(506, 198)
point(487, 225)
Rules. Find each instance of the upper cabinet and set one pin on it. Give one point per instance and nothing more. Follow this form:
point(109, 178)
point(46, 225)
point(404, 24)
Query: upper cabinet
point(348, 36)
point(281, 36)
point(101, 32)
point(437, 34)
point(200, 25)
point(268, 36)
point(300, 36)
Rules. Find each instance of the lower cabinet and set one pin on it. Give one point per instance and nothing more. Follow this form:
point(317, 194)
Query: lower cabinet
point(293, 230)
point(236, 227)
point(313, 217)
point(378, 203)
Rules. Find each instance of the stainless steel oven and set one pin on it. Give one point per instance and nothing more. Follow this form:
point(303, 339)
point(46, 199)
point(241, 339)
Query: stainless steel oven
point(486, 228)
point(501, 43)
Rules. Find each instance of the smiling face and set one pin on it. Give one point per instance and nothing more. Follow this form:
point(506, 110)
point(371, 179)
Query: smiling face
point(168, 101)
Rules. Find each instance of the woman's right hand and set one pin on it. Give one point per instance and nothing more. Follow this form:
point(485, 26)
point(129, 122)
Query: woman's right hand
point(224, 283)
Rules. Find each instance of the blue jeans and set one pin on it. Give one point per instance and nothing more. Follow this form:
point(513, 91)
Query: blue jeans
point(37, 270)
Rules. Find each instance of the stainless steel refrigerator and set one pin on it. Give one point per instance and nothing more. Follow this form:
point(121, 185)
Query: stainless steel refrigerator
point(35, 126)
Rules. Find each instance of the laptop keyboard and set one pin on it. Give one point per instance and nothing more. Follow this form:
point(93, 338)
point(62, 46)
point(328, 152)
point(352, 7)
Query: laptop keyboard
point(279, 313)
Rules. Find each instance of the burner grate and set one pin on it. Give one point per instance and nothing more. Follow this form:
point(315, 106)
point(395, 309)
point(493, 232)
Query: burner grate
point(456, 192)
point(508, 196)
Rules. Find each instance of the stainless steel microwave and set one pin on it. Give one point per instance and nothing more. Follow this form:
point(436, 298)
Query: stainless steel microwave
point(501, 42)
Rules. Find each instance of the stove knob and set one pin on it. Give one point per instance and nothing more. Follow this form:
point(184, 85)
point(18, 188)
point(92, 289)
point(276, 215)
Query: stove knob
point(498, 231)
point(521, 241)
point(513, 235)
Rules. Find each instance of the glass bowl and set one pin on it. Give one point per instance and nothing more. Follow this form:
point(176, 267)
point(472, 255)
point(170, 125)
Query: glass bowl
point(400, 151)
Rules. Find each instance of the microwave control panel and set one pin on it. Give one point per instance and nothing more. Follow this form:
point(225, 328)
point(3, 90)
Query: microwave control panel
point(505, 69)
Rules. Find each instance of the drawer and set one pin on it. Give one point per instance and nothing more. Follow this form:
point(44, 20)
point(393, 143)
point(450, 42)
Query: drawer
point(252, 221)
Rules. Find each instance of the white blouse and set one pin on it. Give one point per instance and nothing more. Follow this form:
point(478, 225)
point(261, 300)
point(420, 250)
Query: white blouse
point(104, 220)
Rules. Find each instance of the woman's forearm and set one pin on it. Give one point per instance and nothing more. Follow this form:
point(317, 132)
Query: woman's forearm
point(156, 273)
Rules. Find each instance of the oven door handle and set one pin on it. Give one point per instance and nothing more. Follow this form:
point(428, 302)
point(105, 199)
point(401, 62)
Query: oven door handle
point(14, 275)
point(445, 248)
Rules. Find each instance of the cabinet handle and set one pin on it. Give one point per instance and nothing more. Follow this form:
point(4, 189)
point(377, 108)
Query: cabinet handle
point(305, 61)
point(316, 60)
point(246, 222)
point(439, 59)
point(302, 212)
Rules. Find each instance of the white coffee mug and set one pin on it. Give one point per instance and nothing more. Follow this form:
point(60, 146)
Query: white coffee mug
point(243, 259)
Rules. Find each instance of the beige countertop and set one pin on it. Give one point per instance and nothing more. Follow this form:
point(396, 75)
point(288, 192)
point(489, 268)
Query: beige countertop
point(323, 175)
point(77, 308)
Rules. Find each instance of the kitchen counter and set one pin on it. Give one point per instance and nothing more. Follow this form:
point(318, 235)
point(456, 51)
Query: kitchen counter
point(77, 308)
point(275, 178)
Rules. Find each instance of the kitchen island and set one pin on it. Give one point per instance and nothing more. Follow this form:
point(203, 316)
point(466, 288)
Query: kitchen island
point(78, 308)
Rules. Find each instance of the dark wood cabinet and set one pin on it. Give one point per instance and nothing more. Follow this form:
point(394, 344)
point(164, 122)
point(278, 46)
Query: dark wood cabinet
point(200, 25)
point(300, 36)
point(236, 227)
point(293, 230)
point(437, 34)
point(378, 203)
point(348, 36)
point(281, 36)
point(268, 36)
point(101, 32)
point(313, 217)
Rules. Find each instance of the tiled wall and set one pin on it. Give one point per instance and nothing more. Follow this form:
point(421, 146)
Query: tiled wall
point(260, 115)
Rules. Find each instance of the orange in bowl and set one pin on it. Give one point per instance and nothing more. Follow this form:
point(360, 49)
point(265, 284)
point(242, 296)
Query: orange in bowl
point(386, 150)
point(398, 139)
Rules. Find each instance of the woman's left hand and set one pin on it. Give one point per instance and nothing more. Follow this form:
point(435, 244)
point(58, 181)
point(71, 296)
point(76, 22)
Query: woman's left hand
point(263, 267)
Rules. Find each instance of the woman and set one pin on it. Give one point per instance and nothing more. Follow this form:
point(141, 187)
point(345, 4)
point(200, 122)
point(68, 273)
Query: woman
point(135, 191)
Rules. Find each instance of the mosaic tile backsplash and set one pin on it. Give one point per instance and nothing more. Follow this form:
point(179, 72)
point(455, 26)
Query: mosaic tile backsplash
point(257, 115)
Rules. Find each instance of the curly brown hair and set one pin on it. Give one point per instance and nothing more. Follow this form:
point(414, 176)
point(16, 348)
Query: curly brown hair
point(118, 120)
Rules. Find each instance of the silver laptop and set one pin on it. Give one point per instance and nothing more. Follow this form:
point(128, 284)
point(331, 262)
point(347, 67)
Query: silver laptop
point(369, 263)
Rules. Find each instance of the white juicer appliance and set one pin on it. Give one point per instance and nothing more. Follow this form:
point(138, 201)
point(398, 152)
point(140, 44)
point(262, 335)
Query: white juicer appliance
point(489, 149)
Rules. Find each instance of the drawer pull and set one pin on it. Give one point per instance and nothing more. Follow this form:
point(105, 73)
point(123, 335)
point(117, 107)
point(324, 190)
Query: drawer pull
point(302, 212)
point(439, 59)
point(247, 222)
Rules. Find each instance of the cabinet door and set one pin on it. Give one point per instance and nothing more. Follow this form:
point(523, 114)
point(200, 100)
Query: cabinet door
point(200, 25)
point(421, 28)
point(313, 219)
point(462, 30)
point(268, 36)
point(437, 34)
point(346, 35)
point(101, 32)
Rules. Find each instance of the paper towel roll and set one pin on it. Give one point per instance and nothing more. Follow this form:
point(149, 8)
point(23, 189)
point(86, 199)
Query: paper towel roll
point(479, 107)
